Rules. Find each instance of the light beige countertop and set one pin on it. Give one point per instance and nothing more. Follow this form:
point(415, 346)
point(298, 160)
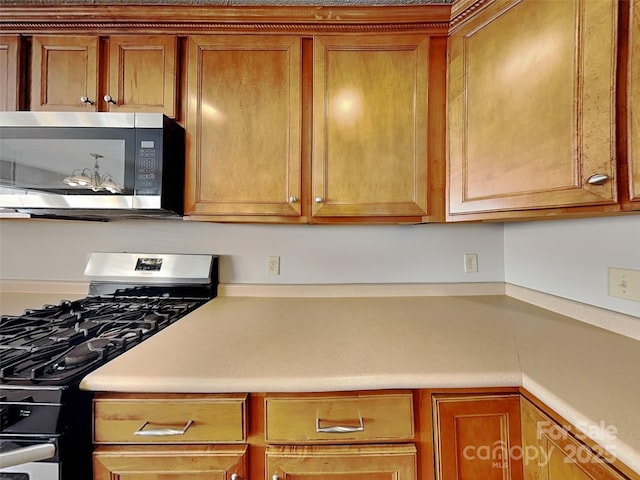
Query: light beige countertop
point(588, 375)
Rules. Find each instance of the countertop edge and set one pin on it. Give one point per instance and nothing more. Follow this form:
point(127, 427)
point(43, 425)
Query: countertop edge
point(617, 448)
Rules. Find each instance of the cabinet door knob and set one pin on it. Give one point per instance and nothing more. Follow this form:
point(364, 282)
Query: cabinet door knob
point(275, 477)
point(319, 200)
point(235, 476)
point(293, 199)
point(109, 99)
point(85, 99)
point(598, 179)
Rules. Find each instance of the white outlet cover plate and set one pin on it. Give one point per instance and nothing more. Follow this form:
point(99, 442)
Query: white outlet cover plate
point(624, 283)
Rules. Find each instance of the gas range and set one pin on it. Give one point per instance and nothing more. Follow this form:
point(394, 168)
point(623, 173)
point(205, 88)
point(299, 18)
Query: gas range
point(45, 353)
point(59, 344)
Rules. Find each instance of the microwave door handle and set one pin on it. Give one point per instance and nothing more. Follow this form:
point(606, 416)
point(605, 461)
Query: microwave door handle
point(32, 453)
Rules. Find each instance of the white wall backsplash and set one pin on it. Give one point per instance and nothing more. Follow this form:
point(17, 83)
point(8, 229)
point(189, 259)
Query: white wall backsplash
point(567, 258)
point(57, 250)
point(570, 258)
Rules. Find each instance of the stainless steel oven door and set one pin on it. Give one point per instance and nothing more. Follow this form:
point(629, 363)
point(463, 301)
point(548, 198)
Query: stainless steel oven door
point(31, 471)
point(27, 461)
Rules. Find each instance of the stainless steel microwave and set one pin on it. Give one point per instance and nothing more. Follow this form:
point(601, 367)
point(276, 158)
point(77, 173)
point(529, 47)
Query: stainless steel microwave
point(91, 165)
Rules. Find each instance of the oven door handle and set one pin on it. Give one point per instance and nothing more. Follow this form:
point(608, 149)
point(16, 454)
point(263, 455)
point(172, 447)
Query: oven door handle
point(32, 453)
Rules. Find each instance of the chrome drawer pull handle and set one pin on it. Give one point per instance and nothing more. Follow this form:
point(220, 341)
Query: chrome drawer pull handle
point(340, 428)
point(161, 432)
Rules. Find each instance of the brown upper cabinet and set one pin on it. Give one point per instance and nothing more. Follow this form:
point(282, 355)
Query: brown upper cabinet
point(121, 74)
point(243, 125)
point(324, 129)
point(633, 107)
point(532, 90)
point(370, 125)
point(10, 57)
point(475, 110)
point(64, 73)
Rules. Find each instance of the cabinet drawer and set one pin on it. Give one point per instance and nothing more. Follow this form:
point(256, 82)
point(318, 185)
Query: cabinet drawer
point(339, 462)
point(339, 418)
point(169, 419)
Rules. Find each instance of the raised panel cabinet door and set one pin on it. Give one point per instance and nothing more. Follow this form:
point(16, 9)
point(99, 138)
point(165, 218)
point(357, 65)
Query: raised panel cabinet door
point(143, 73)
point(9, 72)
point(633, 104)
point(370, 125)
point(531, 92)
point(169, 463)
point(64, 70)
point(550, 452)
point(477, 437)
point(243, 125)
point(381, 462)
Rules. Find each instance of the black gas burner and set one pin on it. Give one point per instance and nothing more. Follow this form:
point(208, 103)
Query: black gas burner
point(59, 344)
point(45, 352)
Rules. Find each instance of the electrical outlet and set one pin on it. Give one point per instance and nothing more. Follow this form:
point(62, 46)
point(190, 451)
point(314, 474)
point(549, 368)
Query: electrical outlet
point(471, 262)
point(624, 283)
point(273, 265)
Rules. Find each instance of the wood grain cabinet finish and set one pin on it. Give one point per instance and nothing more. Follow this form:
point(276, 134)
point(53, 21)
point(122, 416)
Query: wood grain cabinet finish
point(370, 125)
point(204, 462)
point(134, 418)
point(633, 106)
point(243, 125)
point(531, 89)
point(10, 49)
point(369, 462)
point(138, 74)
point(161, 436)
point(63, 70)
point(346, 435)
point(552, 453)
point(322, 130)
point(143, 72)
point(354, 418)
point(476, 436)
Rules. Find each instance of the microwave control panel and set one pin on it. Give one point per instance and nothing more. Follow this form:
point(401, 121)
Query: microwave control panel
point(148, 163)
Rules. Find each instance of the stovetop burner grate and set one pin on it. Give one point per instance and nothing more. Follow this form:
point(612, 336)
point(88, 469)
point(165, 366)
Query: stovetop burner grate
point(58, 344)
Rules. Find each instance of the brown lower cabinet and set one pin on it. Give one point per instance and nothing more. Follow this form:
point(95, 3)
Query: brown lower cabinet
point(476, 434)
point(554, 452)
point(342, 462)
point(204, 462)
